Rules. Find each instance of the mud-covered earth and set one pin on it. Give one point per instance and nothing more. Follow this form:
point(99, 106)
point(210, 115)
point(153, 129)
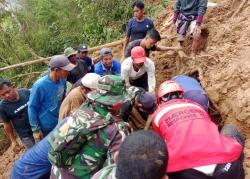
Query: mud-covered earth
point(223, 66)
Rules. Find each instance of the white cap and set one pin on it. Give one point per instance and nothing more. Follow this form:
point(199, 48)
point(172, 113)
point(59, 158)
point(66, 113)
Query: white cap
point(90, 80)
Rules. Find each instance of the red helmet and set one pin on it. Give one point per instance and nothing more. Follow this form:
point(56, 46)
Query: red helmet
point(167, 87)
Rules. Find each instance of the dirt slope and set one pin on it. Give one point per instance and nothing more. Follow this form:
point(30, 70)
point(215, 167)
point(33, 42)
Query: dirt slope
point(223, 67)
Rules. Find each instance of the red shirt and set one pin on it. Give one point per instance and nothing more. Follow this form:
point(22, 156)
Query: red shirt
point(191, 137)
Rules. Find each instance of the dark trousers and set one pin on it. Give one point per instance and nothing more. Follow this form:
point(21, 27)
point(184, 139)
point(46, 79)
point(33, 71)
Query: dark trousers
point(141, 82)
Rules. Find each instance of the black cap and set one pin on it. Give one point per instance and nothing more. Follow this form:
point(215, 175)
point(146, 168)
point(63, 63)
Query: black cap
point(83, 48)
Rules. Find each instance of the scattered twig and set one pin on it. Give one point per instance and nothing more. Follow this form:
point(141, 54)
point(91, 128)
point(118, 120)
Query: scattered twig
point(239, 8)
point(26, 74)
point(148, 123)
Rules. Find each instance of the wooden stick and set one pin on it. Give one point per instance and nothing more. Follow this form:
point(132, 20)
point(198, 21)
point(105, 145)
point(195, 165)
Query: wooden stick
point(173, 48)
point(118, 42)
point(25, 64)
point(26, 74)
point(148, 123)
point(168, 22)
point(41, 60)
point(239, 8)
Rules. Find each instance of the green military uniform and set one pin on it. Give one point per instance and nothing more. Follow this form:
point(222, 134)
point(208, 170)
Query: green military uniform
point(106, 173)
point(91, 135)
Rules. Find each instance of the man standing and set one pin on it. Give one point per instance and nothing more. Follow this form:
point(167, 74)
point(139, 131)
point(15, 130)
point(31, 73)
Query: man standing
point(188, 16)
point(13, 112)
point(138, 70)
point(107, 65)
point(138, 26)
point(81, 68)
point(47, 95)
point(83, 56)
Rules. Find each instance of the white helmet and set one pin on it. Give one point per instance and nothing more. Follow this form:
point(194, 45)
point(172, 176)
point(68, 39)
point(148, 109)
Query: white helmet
point(90, 80)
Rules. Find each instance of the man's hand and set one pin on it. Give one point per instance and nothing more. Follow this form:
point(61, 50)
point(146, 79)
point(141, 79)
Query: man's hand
point(38, 135)
point(197, 31)
point(196, 40)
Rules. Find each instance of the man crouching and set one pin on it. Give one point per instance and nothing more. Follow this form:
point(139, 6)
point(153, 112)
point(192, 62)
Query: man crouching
point(92, 134)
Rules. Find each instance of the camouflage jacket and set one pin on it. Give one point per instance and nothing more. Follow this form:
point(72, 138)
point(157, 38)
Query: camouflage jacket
point(107, 172)
point(82, 145)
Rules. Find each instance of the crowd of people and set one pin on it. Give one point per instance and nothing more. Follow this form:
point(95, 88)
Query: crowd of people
point(113, 123)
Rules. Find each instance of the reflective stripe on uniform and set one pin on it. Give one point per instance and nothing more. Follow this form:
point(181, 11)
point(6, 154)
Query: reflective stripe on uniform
point(172, 107)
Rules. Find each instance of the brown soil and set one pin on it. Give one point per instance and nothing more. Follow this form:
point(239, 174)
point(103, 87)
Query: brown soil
point(223, 67)
point(8, 159)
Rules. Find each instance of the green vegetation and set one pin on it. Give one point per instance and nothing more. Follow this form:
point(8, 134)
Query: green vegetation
point(44, 28)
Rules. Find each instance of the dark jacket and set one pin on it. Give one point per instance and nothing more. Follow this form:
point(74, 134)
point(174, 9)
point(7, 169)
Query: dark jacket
point(191, 7)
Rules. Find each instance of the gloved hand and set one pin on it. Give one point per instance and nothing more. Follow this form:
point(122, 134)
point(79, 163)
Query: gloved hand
point(38, 135)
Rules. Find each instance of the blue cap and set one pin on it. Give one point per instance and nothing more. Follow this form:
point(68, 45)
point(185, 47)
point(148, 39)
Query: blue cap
point(105, 51)
point(147, 100)
point(198, 97)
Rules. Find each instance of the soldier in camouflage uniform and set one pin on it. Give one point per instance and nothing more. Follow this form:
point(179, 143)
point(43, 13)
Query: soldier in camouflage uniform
point(35, 164)
point(90, 136)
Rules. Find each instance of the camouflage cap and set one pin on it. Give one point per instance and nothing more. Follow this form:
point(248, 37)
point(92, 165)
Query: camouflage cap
point(69, 51)
point(111, 91)
point(106, 99)
point(111, 85)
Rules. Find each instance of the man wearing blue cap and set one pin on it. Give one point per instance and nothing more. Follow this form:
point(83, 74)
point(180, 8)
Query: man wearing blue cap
point(47, 95)
point(193, 90)
point(107, 65)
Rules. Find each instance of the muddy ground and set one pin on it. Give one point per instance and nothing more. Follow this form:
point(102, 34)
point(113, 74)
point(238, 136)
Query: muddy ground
point(223, 67)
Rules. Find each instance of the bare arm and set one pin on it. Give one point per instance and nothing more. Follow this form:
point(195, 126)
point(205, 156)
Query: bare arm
point(9, 131)
point(151, 78)
point(125, 73)
point(126, 41)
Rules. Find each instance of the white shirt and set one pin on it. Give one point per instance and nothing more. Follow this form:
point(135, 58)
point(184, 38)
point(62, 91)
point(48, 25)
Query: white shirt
point(128, 72)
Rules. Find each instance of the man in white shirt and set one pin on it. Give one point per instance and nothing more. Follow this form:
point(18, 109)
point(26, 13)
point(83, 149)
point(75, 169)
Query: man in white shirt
point(138, 70)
